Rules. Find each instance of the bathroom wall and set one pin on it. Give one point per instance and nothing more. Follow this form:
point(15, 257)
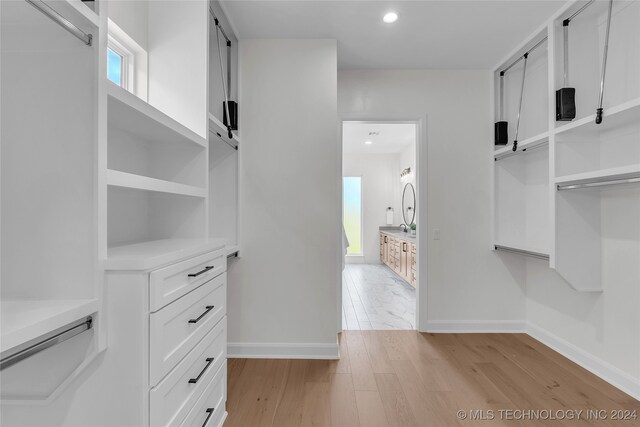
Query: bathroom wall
point(381, 188)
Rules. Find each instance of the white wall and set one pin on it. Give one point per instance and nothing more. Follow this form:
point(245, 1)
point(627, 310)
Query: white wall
point(132, 17)
point(380, 189)
point(469, 286)
point(603, 328)
point(283, 289)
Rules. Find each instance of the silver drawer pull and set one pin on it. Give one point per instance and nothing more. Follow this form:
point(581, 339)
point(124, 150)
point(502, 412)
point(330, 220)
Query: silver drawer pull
point(195, 380)
point(207, 268)
point(197, 319)
point(209, 412)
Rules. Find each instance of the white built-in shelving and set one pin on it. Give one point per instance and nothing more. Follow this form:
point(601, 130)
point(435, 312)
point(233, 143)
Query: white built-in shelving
point(134, 115)
point(157, 253)
point(139, 182)
point(50, 120)
point(560, 193)
point(223, 151)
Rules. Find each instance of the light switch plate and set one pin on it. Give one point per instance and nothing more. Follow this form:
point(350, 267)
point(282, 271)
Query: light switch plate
point(436, 234)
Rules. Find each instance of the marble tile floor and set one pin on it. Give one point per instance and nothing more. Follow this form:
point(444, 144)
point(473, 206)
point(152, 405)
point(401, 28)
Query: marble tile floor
point(375, 297)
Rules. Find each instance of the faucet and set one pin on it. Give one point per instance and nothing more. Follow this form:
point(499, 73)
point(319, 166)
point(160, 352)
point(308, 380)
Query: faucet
point(404, 227)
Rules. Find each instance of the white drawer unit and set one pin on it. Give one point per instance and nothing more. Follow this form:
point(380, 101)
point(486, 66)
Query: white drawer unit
point(176, 394)
point(176, 329)
point(209, 410)
point(170, 283)
point(168, 339)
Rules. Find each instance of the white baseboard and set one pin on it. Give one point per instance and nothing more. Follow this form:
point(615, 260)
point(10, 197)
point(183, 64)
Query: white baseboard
point(283, 350)
point(595, 365)
point(476, 326)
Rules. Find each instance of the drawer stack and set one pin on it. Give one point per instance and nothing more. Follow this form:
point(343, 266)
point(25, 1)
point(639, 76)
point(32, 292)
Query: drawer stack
point(165, 364)
point(399, 254)
point(188, 342)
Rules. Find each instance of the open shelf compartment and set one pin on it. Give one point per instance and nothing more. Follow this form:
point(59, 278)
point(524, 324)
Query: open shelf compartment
point(522, 202)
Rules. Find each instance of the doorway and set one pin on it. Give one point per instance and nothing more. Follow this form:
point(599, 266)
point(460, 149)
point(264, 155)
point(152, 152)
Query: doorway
point(380, 277)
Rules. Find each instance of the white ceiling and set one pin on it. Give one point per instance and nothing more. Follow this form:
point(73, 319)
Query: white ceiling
point(435, 34)
point(392, 138)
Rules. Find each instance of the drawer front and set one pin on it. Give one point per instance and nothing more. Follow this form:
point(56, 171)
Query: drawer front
point(209, 410)
point(170, 283)
point(178, 327)
point(172, 399)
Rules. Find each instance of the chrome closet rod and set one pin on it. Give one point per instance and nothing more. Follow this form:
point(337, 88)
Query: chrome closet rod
point(537, 45)
point(598, 184)
point(521, 252)
point(62, 21)
point(68, 332)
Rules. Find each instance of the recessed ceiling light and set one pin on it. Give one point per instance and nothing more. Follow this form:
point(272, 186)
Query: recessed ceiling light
point(368, 142)
point(390, 17)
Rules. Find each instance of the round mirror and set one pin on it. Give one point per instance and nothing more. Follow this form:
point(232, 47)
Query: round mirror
point(409, 204)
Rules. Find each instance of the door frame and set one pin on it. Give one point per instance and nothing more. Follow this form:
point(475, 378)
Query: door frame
point(422, 234)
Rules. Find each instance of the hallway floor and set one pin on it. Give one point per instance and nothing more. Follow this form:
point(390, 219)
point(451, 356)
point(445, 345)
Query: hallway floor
point(404, 378)
point(374, 297)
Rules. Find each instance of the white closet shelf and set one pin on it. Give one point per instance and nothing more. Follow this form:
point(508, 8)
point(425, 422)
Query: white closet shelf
point(82, 9)
point(157, 253)
point(523, 145)
point(217, 127)
point(24, 320)
point(620, 115)
point(130, 113)
point(139, 182)
point(613, 174)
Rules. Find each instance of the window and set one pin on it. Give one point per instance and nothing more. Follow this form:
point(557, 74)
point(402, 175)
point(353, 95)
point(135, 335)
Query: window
point(352, 213)
point(127, 61)
point(115, 67)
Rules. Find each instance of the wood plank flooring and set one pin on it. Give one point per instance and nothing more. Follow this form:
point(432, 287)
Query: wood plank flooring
point(375, 297)
point(404, 378)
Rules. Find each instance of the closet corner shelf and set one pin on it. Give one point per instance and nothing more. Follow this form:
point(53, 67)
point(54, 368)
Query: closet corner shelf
point(24, 320)
point(220, 129)
point(523, 145)
point(604, 175)
point(158, 253)
point(628, 112)
point(138, 182)
point(132, 114)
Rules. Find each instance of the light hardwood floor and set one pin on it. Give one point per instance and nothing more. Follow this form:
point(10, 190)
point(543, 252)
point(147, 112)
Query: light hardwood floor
point(404, 378)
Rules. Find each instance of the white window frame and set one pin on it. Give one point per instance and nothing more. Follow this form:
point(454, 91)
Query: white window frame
point(128, 64)
point(134, 60)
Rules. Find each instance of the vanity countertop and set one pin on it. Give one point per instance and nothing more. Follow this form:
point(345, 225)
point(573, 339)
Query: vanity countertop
point(397, 232)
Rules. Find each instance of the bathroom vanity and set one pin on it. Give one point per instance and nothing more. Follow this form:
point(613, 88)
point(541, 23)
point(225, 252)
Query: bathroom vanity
point(398, 251)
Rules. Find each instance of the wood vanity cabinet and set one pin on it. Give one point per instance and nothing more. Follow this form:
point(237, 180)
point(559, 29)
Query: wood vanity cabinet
point(399, 255)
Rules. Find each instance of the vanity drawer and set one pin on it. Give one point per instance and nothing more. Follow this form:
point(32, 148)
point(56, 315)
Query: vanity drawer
point(172, 399)
point(178, 327)
point(209, 410)
point(170, 283)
